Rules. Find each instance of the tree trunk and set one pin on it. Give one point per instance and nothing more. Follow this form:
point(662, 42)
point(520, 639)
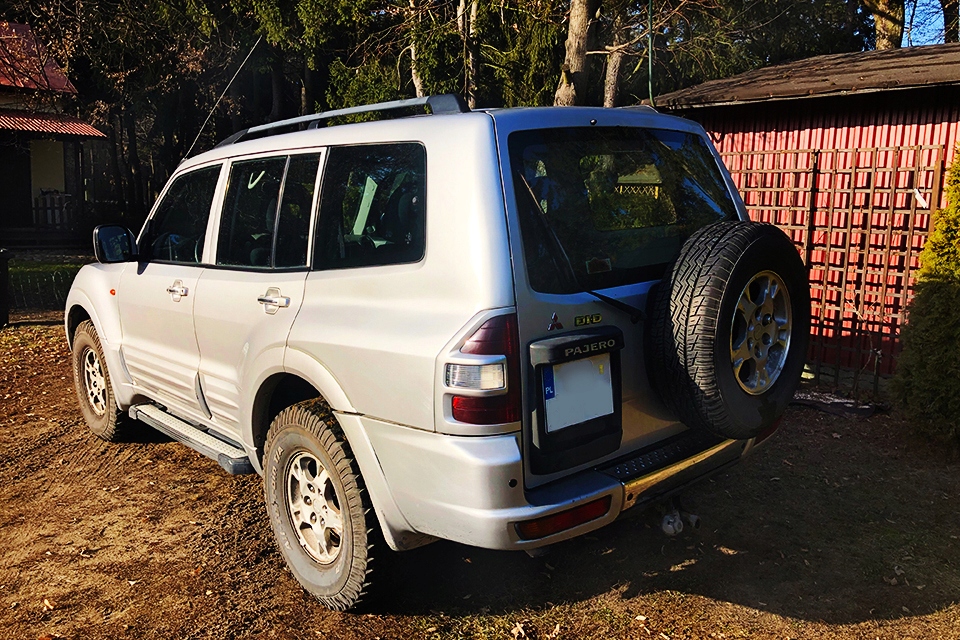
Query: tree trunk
point(888, 22)
point(473, 56)
point(135, 170)
point(308, 90)
point(951, 20)
point(611, 82)
point(573, 78)
point(276, 86)
point(116, 142)
point(467, 26)
point(414, 71)
point(125, 182)
point(850, 26)
point(236, 100)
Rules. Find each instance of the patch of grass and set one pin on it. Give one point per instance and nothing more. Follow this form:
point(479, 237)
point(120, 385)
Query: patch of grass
point(34, 267)
point(42, 284)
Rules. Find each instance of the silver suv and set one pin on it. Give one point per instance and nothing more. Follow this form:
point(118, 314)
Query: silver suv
point(498, 327)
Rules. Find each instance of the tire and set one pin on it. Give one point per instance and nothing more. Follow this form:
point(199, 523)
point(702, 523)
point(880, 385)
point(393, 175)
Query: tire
point(91, 380)
point(730, 324)
point(308, 463)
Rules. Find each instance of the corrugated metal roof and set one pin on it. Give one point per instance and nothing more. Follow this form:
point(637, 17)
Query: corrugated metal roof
point(25, 64)
point(47, 123)
point(835, 74)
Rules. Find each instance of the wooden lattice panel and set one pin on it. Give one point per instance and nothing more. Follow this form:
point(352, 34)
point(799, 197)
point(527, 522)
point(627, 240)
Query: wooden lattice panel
point(859, 218)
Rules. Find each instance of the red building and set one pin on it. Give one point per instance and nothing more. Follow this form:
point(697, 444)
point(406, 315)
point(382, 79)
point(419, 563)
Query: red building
point(847, 153)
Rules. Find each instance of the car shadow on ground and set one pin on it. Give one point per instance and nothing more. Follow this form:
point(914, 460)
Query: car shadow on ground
point(846, 530)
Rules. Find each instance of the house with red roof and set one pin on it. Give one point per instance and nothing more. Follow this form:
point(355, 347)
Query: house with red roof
point(40, 144)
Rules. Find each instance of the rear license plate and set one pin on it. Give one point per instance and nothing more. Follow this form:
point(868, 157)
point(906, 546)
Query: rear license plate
point(577, 391)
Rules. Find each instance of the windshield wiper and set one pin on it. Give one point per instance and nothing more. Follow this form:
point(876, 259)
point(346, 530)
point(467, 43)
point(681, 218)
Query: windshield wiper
point(569, 274)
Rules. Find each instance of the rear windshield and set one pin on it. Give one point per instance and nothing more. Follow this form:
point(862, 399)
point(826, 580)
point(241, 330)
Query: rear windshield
point(604, 207)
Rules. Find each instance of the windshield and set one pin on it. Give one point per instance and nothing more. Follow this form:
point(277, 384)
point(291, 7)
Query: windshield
point(618, 201)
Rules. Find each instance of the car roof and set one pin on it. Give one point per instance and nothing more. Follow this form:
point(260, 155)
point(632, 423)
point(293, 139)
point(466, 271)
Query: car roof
point(412, 128)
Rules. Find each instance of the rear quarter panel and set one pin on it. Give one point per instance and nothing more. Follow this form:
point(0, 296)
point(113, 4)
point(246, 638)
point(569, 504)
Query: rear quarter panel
point(378, 330)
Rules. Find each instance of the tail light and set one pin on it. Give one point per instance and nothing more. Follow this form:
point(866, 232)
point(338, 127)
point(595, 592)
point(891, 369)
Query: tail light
point(490, 390)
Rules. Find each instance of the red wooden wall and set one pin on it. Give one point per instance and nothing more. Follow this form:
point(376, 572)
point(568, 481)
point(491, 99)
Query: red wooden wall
point(853, 180)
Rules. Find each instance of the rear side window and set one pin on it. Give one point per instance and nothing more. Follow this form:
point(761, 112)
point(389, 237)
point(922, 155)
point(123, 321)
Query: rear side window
point(293, 223)
point(604, 207)
point(372, 206)
point(266, 212)
point(176, 231)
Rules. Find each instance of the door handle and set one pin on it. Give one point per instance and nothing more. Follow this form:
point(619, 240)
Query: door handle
point(177, 290)
point(272, 300)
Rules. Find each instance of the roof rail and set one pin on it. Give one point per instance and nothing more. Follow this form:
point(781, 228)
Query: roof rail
point(440, 104)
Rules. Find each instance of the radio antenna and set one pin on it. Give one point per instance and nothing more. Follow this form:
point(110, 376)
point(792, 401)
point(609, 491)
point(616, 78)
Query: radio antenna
point(217, 103)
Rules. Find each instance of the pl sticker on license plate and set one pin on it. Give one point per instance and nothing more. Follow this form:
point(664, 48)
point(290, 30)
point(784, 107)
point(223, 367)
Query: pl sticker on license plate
point(577, 391)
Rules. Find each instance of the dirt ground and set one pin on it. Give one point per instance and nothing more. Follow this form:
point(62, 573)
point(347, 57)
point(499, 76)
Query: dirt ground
point(837, 528)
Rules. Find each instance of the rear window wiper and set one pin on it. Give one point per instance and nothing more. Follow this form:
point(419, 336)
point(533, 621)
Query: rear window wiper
point(564, 266)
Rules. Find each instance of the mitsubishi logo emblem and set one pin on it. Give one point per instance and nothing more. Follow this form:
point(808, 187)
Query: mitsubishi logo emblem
point(554, 323)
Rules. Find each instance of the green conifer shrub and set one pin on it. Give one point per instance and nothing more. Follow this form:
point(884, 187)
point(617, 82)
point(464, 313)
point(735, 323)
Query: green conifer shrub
point(927, 381)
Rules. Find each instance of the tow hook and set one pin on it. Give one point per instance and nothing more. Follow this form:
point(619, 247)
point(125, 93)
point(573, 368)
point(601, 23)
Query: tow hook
point(672, 523)
point(673, 518)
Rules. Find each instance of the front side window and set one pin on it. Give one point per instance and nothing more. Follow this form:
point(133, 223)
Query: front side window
point(176, 231)
point(372, 207)
point(604, 207)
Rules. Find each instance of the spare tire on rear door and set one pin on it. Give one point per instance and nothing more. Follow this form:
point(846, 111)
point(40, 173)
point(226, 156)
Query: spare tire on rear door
point(729, 328)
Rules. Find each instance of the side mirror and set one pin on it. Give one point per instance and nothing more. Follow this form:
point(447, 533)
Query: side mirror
point(114, 243)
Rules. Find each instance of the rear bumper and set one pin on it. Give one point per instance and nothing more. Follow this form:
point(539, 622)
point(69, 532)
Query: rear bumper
point(470, 489)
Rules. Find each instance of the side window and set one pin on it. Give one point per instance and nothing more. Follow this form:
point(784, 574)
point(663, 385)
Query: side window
point(176, 231)
point(372, 206)
point(293, 225)
point(250, 212)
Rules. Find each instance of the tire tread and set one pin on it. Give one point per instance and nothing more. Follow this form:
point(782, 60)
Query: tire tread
point(685, 311)
point(114, 425)
point(316, 417)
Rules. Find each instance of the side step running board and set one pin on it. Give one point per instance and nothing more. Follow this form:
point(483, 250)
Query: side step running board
point(228, 455)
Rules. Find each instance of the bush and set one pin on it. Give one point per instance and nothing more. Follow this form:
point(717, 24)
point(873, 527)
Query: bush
point(927, 382)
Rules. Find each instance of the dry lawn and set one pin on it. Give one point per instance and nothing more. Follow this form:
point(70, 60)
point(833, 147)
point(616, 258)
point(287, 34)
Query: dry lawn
point(834, 529)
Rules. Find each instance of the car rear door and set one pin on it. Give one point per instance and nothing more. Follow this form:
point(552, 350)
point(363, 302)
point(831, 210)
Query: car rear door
point(247, 301)
point(602, 210)
point(156, 299)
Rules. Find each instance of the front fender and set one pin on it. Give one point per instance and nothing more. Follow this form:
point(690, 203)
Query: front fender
point(94, 292)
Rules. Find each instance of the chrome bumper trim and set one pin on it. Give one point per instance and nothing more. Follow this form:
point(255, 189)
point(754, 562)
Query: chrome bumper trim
point(680, 473)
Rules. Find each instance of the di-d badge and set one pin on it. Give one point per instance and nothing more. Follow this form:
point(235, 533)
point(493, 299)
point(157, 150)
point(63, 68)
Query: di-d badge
point(582, 321)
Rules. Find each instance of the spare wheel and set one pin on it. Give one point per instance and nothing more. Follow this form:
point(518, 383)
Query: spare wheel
point(729, 328)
